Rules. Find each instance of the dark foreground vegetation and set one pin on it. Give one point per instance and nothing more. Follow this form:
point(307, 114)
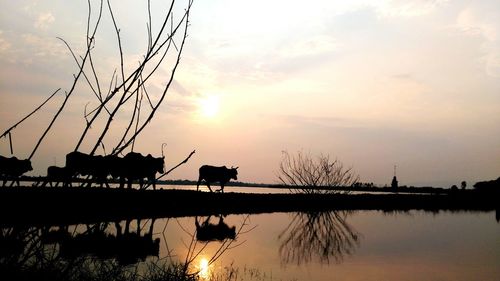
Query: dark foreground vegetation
point(32, 205)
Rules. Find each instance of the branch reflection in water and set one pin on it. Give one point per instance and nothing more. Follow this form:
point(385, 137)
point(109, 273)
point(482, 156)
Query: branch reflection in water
point(325, 236)
point(205, 233)
point(126, 250)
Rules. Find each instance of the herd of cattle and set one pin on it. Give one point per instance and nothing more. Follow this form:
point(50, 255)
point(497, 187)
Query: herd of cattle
point(98, 169)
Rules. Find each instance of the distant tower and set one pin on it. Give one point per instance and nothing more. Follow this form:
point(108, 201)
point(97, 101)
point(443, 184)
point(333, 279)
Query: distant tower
point(394, 183)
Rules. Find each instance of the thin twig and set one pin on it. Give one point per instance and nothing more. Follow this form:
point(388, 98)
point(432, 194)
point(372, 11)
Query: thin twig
point(27, 116)
point(169, 171)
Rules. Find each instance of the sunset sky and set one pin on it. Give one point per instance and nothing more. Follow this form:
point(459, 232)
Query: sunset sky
point(373, 83)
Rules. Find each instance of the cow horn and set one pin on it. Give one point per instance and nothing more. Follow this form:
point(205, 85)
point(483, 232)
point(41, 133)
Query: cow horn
point(162, 145)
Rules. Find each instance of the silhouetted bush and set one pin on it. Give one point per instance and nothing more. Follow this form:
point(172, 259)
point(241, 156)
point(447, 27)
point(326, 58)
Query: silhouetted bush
point(488, 186)
point(308, 174)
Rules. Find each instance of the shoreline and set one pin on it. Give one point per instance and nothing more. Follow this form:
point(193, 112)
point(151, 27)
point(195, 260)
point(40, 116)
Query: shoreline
point(52, 206)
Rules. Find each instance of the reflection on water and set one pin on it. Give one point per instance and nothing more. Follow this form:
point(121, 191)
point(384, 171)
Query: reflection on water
point(204, 268)
point(73, 252)
point(357, 245)
point(101, 241)
point(208, 231)
point(323, 235)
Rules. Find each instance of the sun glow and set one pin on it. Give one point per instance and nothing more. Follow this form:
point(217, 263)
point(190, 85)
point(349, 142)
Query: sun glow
point(204, 268)
point(209, 106)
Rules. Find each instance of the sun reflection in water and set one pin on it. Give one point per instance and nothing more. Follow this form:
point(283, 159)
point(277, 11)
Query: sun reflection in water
point(204, 269)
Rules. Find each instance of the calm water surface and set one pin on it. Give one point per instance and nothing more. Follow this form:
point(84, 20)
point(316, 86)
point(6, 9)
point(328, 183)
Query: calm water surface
point(340, 245)
point(363, 245)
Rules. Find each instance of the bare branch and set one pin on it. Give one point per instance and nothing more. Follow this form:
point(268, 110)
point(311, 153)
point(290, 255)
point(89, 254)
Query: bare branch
point(76, 78)
point(153, 111)
point(175, 167)
point(27, 116)
point(305, 174)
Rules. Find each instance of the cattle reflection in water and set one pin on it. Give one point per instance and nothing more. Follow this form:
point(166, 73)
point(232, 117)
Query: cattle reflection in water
point(126, 246)
point(325, 236)
point(207, 231)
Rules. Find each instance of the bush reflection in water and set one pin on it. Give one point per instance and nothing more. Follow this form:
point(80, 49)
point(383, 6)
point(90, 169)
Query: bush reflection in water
point(130, 250)
point(324, 236)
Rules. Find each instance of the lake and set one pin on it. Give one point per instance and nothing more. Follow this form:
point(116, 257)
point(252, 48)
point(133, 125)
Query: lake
point(335, 245)
point(358, 245)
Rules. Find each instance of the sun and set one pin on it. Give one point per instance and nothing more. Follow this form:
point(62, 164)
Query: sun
point(209, 106)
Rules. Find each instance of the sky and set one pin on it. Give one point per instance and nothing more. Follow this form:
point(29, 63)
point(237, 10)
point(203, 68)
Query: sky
point(374, 84)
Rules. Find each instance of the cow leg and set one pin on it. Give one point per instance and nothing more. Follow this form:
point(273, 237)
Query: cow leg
point(153, 179)
point(222, 187)
point(13, 182)
point(89, 180)
point(151, 227)
point(208, 184)
point(198, 185)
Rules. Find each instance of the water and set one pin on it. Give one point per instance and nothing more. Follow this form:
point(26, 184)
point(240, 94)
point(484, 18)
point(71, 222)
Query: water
point(203, 187)
point(364, 245)
point(248, 189)
point(341, 245)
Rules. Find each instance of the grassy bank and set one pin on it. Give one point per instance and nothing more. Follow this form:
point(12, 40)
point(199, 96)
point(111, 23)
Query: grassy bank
point(31, 205)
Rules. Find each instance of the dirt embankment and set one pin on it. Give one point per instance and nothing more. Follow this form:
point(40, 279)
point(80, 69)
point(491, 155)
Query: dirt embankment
point(32, 205)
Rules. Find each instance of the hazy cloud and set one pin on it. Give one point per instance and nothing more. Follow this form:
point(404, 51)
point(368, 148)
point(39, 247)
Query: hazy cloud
point(44, 20)
point(483, 22)
point(179, 89)
point(475, 24)
point(406, 8)
point(4, 44)
point(42, 47)
point(403, 76)
point(315, 121)
point(180, 106)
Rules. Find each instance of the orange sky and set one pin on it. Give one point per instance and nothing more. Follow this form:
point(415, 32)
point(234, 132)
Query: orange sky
point(374, 83)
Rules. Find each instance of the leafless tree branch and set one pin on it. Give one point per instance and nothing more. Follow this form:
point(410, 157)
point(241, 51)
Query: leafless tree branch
point(307, 174)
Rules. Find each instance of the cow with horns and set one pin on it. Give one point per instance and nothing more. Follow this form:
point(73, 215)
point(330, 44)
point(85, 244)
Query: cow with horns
point(58, 175)
point(12, 168)
point(212, 174)
point(95, 166)
point(135, 166)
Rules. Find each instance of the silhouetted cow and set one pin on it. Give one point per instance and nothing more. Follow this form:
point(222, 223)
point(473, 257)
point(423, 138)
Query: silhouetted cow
point(216, 174)
point(96, 166)
point(135, 166)
point(57, 175)
point(12, 168)
point(207, 231)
